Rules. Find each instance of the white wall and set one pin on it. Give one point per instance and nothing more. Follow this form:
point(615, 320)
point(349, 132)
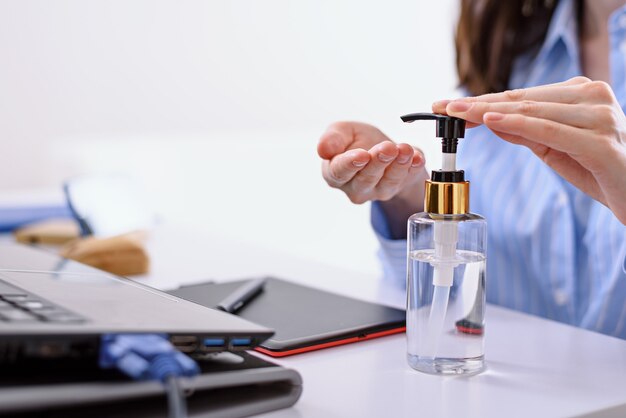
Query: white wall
point(217, 106)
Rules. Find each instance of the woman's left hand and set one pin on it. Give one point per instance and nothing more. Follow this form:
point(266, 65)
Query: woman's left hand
point(577, 127)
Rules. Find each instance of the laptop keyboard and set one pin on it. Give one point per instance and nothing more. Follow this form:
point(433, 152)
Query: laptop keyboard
point(17, 305)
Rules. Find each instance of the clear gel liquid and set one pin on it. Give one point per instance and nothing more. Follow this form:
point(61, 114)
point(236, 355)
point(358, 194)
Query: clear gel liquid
point(445, 325)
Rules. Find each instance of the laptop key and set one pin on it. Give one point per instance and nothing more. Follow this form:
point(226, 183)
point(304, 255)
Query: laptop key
point(15, 298)
point(64, 317)
point(18, 305)
point(7, 289)
point(33, 305)
point(17, 315)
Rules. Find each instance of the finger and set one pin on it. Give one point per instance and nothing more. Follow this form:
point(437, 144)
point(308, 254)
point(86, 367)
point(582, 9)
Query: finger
point(335, 140)
point(381, 156)
point(568, 114)
point(419, 159)
point(396, 172)
point(555, 135)
point(441, 105)
point(567, 167)
point(341, 136)
point(564, 92)
point(343, 167)
point(440, 108)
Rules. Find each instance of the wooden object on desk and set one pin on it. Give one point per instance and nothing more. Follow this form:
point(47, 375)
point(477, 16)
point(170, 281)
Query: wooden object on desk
point(123, 255)
point(50, 232)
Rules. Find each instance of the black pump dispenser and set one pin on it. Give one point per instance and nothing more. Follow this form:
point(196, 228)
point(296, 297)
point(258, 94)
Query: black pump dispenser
point(449, 129)
point(449, 239)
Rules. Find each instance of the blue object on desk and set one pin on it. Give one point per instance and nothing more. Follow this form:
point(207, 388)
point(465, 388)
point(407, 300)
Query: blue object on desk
point(145, 356)
point(108, 205)
point(150, 356)
point(15, 217)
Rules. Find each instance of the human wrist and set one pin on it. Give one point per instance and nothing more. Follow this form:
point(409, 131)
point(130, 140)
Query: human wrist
point(398, 209)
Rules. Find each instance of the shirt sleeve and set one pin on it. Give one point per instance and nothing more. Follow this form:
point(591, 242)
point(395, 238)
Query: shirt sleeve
point(392, 252)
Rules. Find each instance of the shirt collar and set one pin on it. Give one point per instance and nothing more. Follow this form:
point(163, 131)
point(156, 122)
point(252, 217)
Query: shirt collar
point(563, 27)
point(617, 20)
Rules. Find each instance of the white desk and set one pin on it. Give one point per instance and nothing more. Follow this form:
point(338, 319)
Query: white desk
point(536, 367)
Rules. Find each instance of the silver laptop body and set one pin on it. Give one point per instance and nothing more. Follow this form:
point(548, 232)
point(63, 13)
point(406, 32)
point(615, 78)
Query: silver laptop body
point(51, 306)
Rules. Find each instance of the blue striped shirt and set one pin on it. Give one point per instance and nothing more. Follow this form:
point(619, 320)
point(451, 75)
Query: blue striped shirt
point(552, 250)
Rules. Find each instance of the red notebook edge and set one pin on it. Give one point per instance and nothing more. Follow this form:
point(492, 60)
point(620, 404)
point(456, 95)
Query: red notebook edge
point(315, 347)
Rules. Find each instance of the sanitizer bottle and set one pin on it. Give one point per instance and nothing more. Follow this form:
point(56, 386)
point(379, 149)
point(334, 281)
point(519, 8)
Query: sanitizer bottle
point(446, 268)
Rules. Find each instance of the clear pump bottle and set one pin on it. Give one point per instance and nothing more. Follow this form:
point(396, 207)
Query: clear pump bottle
point(446, 268)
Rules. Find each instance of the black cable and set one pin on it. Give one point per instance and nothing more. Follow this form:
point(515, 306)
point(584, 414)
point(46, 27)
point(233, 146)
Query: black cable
point(150, 356)
point(176, 404)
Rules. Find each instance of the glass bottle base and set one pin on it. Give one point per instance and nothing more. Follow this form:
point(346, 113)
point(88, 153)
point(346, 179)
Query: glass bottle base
point(447, 366)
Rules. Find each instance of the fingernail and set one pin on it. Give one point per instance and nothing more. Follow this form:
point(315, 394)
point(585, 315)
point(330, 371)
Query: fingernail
point(359, 164)
point(384, 158)
point(493, 117)
point(403, 158)
point(418, 158)
point(459, 106)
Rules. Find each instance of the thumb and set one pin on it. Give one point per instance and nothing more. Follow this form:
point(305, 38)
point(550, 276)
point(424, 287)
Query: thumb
point(335, 140)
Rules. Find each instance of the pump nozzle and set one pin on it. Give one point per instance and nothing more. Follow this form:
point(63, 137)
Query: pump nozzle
point(448, 127)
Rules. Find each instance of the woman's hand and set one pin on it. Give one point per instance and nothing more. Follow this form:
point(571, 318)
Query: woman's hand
point(577, 127)
point(365, 164)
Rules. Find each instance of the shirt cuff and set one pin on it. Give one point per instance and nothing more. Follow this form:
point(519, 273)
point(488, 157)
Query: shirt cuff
point(379, 221)
point(392, 252)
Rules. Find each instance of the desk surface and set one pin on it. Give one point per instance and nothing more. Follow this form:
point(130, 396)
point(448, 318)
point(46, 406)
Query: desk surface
point(535, 367)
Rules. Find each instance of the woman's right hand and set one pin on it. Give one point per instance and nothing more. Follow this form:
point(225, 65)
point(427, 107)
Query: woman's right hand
point(366, 165)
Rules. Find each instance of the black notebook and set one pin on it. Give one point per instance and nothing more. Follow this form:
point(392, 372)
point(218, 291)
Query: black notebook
point(304, 318)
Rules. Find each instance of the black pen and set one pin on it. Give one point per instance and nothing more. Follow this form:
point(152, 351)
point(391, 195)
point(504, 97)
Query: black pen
point(242, 295)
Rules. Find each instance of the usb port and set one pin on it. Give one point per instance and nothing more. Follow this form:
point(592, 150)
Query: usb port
point(241, 342)
point(185, 343)
point(214, 342)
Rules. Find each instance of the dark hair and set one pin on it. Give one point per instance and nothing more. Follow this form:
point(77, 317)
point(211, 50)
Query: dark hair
point(491, 33)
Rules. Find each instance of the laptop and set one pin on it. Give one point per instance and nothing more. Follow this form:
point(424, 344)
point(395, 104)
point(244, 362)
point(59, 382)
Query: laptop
point(54, 307)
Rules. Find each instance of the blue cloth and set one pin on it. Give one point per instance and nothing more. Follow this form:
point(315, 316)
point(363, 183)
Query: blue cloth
point(552, 250)
point(14, 217)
